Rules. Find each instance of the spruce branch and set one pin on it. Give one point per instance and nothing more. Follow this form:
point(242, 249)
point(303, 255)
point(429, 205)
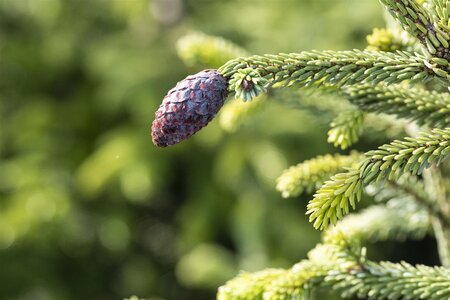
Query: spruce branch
point(336, 68)
point(409, 42)
point(390, 161)
point(344, 267)
point(406, 212)
point(293, 283)
point(370, 80)
point(272, 284)
point(416, 20)
point(387, 280)
point(310, 174)
point(341, 263)
point(249, 285)
point(346, 128)
point(414, 104)
point(298, 282)
point(384, 280)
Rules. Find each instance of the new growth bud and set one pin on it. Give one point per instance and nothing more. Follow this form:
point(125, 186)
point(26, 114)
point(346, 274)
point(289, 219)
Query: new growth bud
point(188, 107)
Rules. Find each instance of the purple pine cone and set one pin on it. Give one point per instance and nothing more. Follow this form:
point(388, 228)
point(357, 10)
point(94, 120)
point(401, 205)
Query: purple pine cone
point(188, 107)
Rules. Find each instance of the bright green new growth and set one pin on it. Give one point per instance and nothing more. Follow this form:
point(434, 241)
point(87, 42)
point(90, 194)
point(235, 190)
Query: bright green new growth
point(383, 39)
point(294, 283)
point(249, 285)
point(342, 265)
point(198, 49)
point(407, 177)
point(309, 175)
point(248, 83)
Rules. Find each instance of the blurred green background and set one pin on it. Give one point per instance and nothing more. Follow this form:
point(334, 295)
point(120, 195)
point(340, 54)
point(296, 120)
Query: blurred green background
point(90, 209)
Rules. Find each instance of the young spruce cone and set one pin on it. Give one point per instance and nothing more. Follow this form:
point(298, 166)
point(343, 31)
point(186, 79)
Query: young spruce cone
point(188, 107)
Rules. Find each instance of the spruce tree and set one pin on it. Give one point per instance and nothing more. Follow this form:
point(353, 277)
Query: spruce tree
point(404, 72)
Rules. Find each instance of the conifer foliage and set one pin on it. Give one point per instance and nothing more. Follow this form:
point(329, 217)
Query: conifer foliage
point(404, 73)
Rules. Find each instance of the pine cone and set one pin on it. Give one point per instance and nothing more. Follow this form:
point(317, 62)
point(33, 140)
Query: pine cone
point(188, 107)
